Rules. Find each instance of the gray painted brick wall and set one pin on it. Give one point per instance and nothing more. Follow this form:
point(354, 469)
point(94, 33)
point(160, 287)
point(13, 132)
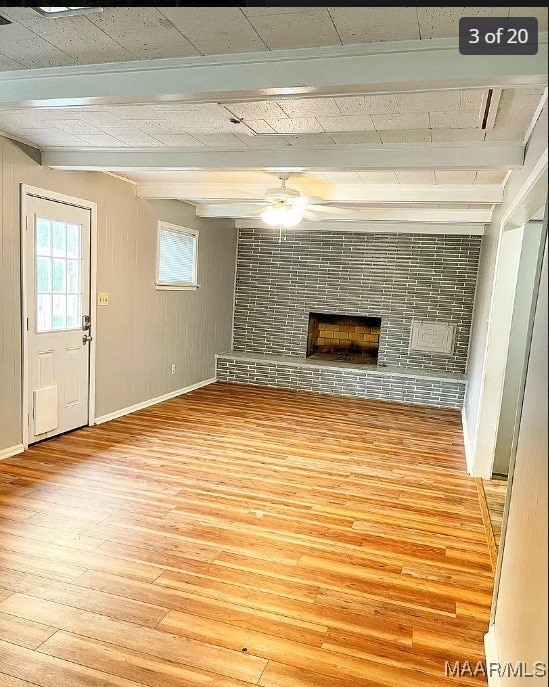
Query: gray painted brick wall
point(398, 277)
point(417, 390)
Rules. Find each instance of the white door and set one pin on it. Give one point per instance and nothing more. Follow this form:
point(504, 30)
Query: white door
point(57, 264)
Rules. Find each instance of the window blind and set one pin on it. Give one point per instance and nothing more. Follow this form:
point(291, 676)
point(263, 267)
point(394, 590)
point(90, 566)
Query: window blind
point(176, 257)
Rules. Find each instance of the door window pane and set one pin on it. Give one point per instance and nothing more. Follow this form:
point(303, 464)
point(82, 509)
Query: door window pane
point(58, 262)
point(59, 319)
point(43, 313)
point(43, 275)
point(73, 276)
point(59, 276)
point(43, 236)
point(73, 241)
point(59, 239)
point(72, 311)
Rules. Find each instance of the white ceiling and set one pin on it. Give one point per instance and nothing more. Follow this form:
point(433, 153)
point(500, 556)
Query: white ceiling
point(404, 119)
point(137, 33)
point(437, 116)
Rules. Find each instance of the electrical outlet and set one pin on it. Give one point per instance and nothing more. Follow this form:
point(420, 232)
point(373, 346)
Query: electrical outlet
point(173, 369)
point(102, 298)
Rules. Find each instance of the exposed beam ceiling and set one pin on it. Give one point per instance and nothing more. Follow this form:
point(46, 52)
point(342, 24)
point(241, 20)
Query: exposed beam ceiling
point(381, 157)
point(382, 193)
point(372, 68)
point(244, 210)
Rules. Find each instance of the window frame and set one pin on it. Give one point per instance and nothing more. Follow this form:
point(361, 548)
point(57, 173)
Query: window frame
point(176, 286)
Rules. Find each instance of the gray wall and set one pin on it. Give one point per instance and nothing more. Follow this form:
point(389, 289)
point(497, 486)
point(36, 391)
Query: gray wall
point(520, 623)
point(142, 331)
point(398, 277)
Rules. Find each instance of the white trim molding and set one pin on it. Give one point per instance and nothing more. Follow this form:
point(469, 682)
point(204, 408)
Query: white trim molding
point(382, 67)
point(152, 401)
point(491, 653)
point(11, 451)
point(394, 156)
point(467, 442)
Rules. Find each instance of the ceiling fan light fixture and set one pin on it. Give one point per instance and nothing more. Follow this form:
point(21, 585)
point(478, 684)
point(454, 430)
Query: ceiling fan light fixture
point(281, 214)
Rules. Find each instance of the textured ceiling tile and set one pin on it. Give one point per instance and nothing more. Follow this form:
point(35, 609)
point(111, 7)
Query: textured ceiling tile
point(262, 109)
point(79, 38)
point(310, 107)
point(7, 64)
point(416, 176)
point(368, 104)
point(443, 22)
point(311, 141)
point(474, 99)
point(489, 176)
point(372, 24)
point(355, 123)
point(177, 140)
point(407, 136)
point(215, 30)
point(418, 120)
point(220, 140)
point(310, 27)
point(356, 137)
point(541, 13)
point(133, 137)
point(22, 45)
point(100, 140)
point(143, 31)
point(429, 101)
point(455, 135)
point(305, 125)
point(462, 119)
point(263, 141)
point(260, 126)
point(342, 177)
point(457, 176)
point(258, 11)
point(75, 126)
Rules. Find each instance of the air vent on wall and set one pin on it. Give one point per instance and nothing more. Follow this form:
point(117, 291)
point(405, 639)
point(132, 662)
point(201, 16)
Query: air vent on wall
point(4, 21)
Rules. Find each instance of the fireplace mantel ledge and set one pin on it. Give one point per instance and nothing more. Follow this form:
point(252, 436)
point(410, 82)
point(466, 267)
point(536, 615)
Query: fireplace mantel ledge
point(389, 371)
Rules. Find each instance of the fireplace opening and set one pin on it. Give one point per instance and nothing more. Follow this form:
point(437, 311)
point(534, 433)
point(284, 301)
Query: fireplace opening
point(344, 338)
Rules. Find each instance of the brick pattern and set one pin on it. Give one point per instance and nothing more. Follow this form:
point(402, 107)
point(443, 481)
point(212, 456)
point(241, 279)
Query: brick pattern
point(398, 277)
point(361, 383)
point(342, 333)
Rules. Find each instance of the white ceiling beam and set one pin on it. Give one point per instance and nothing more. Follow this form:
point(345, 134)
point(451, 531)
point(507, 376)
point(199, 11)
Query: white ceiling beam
point(439, 215)
point(336, 193)
point(373, 227)
point(492, 155)
point(337, 70)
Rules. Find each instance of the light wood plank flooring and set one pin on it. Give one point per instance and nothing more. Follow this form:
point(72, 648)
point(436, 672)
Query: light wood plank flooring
point(243, 536)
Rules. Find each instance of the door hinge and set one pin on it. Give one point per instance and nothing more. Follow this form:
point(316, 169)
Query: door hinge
point(27, 324)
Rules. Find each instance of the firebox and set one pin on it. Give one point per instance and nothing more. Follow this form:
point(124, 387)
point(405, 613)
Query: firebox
point(346, 338)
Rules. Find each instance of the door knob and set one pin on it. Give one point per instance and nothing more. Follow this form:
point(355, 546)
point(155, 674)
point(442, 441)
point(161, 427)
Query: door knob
point(86, 338)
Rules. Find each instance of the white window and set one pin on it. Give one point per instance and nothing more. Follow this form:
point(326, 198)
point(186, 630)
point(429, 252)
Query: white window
point(177, 257)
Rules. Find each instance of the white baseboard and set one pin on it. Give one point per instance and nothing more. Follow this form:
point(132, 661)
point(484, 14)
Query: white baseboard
point(152, 401)
point(491, 653)
point(11, 451)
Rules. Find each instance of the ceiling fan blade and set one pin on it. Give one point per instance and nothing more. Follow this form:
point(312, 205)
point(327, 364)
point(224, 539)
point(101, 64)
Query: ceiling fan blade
point(312, 214)
point(335, 210)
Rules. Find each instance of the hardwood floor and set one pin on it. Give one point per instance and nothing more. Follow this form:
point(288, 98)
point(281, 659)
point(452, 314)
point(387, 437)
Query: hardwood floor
point(244, 536)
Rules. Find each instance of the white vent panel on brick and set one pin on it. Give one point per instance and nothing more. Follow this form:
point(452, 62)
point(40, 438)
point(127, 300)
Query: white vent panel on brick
point(433, 337)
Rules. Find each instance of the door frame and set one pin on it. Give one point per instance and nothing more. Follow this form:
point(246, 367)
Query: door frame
point(27, 192)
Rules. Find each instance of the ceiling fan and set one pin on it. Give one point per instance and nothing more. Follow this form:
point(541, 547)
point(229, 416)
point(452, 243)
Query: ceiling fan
point(285, 207)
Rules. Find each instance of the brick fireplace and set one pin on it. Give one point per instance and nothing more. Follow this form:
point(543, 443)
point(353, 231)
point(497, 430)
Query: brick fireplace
point(345, 338)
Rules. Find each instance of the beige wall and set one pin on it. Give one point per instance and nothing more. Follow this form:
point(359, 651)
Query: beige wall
point(142, 331)
point(520, 625)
